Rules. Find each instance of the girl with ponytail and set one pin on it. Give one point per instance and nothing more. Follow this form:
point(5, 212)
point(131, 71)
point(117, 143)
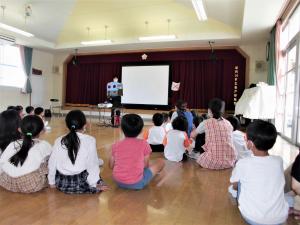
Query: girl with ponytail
point(23, 165)
point(74, 164)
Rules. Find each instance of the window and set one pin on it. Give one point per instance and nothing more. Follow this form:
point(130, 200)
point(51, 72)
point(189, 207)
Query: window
point(287, 119)
point(11, 67)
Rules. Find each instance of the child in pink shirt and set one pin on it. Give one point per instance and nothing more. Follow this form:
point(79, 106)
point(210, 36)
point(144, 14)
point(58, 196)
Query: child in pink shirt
point(130, 156)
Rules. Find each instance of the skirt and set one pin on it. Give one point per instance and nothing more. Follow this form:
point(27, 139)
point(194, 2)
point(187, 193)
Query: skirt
point(75, 184)
point(29, 183)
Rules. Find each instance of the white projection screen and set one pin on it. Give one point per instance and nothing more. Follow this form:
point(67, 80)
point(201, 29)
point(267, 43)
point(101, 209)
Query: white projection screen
point(145, 85)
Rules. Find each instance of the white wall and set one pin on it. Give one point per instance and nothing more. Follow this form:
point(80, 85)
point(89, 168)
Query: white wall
point(12, 96)
point(256, 52)
point(41, 85)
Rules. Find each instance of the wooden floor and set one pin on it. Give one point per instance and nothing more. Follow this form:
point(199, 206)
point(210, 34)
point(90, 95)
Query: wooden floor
point(183, 194)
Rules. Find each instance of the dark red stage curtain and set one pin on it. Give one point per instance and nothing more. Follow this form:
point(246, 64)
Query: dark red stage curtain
point(201, 77)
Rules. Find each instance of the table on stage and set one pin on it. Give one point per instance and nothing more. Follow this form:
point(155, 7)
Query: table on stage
point(102, 109)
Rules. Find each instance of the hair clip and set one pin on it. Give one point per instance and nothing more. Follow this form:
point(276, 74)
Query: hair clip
point(29, 134)
point(73, 126)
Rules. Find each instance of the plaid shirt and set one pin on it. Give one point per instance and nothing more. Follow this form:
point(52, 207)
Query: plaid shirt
point(29, 183)
point(219, 150)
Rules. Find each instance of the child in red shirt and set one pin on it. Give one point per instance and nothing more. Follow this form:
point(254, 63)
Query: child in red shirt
point(130, 156)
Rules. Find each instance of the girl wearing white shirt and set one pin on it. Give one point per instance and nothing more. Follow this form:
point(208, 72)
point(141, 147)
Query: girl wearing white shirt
point(73, 164)
point(23, 165)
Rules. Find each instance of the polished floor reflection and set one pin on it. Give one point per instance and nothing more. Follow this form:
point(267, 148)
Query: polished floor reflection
point(183, 194)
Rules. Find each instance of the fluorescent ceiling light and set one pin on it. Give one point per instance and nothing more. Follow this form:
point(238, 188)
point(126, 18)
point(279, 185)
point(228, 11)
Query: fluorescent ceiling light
point(97, 42)
point(199, 8)
point(15, 30)
point(157, 38)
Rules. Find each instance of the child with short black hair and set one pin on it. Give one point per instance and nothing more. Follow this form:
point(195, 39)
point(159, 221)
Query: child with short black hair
point(130, 156)
point(39, 111)
point(218, 150)
point(238, 138)
point(23, 165)
point(259, 179)
point(176, 141)
point(155, 135)
point(29, 110)
point(74, 164)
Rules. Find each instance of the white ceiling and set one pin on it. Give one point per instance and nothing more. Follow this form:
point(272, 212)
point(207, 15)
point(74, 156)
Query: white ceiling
point(61, 24)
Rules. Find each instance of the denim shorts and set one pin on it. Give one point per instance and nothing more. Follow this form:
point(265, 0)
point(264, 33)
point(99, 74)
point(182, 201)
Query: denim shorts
point(139, 185)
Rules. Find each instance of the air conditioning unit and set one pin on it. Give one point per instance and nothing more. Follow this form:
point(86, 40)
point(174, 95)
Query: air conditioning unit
point(7, 40)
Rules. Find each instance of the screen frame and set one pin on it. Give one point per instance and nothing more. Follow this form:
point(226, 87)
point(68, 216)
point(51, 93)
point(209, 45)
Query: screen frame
point(147, 106)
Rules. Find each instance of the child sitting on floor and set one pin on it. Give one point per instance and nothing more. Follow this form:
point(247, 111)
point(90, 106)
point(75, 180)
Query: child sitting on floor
point(23, 165)
point(238, 138)
point(73, 164)
point(130, 156)
point(155, 135)
point(218, 151)
point(259, 180)
point(176, 141)
point(199, 139)
point(29, 110)
point(39, 111)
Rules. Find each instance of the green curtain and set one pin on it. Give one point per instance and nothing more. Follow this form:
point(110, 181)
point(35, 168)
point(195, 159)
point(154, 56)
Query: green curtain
point(272, 58)
point(27, 67)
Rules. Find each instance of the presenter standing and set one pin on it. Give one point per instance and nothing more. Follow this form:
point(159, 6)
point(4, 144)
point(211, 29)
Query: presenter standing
point(114, 93)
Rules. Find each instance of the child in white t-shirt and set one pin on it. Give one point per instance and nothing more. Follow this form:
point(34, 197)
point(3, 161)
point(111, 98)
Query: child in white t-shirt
point(259, 179)
point(39, 111)
point(155, 135)
point(238, 138)
point(176, 141)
